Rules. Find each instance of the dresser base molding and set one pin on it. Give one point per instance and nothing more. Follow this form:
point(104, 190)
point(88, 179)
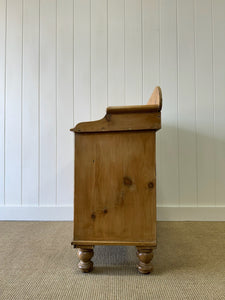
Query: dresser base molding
point(113, 243)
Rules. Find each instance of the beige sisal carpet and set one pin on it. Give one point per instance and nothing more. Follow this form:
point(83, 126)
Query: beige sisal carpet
point(37, 262)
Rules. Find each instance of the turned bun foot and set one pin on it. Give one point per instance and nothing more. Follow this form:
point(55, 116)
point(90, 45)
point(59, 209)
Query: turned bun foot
point(145, 256)
point(85, 255)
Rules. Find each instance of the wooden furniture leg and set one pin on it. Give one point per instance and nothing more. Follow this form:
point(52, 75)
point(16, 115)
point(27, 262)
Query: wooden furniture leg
point(145, 256)
point(85, 253)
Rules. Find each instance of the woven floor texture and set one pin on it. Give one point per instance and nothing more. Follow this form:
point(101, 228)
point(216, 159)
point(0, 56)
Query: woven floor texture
point(37, 262)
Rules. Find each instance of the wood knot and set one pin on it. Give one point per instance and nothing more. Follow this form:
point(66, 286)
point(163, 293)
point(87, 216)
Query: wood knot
point(105, 211)
point(93, 216)
point(151, 185)
point(127, 181)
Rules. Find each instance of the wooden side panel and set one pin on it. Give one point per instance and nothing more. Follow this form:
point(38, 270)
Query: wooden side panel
point(115, 187)
point(122, 122)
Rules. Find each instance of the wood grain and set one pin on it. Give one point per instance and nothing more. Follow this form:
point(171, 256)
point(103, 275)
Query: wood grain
point(156, 99)
point(127, 118)
point(121, 122)
point(115, 187)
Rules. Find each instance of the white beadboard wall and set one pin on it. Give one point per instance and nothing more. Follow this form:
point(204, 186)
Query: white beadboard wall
point(64, 61)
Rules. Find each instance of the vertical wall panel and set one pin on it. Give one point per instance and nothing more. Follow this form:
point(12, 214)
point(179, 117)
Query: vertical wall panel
point(219, 97)
point(115, 52)
point(205, 104)
point(64, 61)
point(13, 103)
point(82, 61)
point(187, 103)
point(150, 22)
point(2, 98)
point(98, 58)
point(133, 52)
point(48, 122)
point(169, 177)
point(30, 103)
point(65, 138)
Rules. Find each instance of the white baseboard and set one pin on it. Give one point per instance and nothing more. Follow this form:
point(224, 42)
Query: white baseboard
point(191, 213)
point(38, 213)
point(65, 213)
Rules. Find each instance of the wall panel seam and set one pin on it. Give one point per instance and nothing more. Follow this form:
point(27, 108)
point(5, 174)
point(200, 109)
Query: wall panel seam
point(90, 59)
point(159, 78)
point(56, 100)
point(73, 79)
point(196, 127)
point(22, 81)
point(213, 98)
point(107, 51)
point(142, 50)
point(159, 42)
point(178, 66)
point(39, 88)
point(6, 19)
point(124, 52)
